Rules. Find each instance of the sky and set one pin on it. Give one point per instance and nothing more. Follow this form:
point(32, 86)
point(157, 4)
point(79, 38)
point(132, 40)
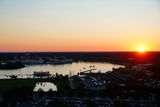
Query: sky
point(79, 25)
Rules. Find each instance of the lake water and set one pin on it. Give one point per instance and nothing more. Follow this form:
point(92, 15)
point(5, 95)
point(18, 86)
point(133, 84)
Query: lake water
point(64, 69)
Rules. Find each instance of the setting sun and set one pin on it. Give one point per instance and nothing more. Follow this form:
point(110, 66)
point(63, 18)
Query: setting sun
point(141, 49)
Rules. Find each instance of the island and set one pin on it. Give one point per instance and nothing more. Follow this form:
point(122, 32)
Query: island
point(11, 65)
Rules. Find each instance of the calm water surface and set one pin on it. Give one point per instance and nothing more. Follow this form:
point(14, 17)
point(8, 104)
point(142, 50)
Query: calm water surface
point(60, 69)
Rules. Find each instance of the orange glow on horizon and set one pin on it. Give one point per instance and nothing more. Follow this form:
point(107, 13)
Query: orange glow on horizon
point(70, 26)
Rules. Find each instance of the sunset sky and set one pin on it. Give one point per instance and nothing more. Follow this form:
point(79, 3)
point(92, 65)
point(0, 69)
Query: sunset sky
point(79, 25)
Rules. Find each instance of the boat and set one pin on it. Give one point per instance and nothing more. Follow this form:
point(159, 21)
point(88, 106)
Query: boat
point(41, 74)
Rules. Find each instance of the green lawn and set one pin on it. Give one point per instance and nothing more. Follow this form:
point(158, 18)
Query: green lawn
point(6, 84)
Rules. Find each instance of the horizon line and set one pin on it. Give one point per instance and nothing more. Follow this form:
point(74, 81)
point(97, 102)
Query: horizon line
point(70, 51)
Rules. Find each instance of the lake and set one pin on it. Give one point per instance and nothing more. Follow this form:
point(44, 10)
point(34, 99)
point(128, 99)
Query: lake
point(64, 69)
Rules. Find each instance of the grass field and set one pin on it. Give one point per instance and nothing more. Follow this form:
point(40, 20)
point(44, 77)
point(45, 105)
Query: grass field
point(6, 84)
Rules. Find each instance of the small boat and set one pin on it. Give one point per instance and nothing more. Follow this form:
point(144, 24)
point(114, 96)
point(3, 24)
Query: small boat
point(41, 74)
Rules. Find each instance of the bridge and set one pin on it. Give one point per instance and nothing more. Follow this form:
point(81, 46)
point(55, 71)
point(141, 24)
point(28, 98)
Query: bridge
point(87, 71)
